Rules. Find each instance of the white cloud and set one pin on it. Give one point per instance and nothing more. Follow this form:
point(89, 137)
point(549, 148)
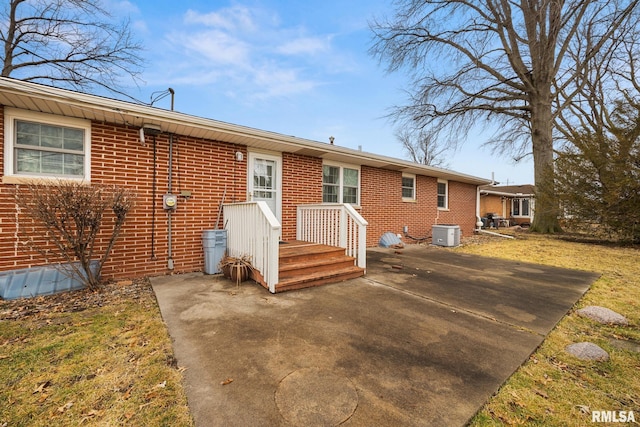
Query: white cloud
point(273, 81)
point(121, 7)
point(305, 45)
point(215, 47)
point(236, 18)
point(245, 53)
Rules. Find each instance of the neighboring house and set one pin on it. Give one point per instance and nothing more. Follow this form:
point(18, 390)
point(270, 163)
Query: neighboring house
point(513, 204)
point(267, 181)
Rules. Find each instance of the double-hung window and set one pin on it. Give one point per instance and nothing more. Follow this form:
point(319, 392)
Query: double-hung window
point(443, 194)
point(408, 187)
point(520, 207)
point(45, 146)
point(340, 184)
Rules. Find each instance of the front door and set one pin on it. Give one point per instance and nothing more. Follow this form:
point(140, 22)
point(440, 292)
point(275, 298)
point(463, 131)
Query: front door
point(265, 173)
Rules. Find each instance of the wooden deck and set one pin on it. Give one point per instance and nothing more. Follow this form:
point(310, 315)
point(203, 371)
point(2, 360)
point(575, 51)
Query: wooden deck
point(306, 264)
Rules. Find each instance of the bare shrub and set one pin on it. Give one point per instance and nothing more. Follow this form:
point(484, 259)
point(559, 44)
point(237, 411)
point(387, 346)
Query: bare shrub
point(71, 216)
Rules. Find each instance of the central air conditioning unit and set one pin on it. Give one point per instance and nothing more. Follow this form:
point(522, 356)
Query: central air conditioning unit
point(445, 235)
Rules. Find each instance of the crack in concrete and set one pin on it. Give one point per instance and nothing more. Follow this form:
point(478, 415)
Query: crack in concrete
point(455, 308)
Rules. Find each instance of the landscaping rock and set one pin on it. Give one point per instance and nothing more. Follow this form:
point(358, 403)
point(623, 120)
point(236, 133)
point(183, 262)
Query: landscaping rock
point(628, 345)
point(588, 351)
point(603, 315)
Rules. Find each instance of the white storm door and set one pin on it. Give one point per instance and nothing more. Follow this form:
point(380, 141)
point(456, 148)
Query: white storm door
point(265, 172)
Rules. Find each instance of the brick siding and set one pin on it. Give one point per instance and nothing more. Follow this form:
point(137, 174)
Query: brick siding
point(302, 184)
point(493, 204)
point(384, 209)
point(209, 170)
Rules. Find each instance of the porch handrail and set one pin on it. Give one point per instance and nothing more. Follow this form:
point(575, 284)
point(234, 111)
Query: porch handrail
point(253, 230)
point(334, 224)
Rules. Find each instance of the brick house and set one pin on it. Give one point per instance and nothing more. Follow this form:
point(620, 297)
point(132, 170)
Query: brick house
point(250, 171)
point(513, 204)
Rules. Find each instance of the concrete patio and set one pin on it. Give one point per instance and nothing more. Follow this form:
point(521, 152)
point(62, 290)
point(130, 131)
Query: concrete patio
point(425, 338)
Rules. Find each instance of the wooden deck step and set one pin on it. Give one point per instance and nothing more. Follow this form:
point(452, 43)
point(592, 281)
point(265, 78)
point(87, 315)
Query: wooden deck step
point(305, 264)
point(319, 278)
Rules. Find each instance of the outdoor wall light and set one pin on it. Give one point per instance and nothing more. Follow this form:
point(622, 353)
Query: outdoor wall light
point(239, 156)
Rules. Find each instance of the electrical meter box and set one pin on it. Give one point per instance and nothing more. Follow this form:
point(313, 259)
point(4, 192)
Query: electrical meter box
point(169, 202)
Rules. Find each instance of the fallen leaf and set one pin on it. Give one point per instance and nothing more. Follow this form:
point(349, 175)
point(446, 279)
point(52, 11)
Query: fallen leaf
point(40, 387)
point(541, 393)
point(227, 381)
point(127, 394)
point(89, 416)
point(584, 409)
point(65, 406)
point(151, 395)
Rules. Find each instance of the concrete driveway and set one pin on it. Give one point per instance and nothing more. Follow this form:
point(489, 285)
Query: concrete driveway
point(424, 339)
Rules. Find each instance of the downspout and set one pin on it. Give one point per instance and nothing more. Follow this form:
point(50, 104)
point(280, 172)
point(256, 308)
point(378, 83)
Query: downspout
point(170, 188)
point(478, 217)
point(479, 221)
point(170, 211)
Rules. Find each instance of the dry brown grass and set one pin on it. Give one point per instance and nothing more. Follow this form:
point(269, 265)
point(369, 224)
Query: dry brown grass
point(87, 358)
point(106, 359)
point(553, 388)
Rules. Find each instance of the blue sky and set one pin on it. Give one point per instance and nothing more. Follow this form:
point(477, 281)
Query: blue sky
point(295, 67)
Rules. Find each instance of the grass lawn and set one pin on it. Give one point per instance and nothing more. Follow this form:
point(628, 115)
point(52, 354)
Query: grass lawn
point(554, 388)
point(105, 358)
point(85, 358)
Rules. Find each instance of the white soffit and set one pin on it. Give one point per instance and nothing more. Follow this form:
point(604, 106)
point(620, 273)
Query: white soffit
point(46, 99)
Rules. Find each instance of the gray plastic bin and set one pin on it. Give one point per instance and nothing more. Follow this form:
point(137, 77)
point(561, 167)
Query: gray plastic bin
point(214, 243)
point(445, 235)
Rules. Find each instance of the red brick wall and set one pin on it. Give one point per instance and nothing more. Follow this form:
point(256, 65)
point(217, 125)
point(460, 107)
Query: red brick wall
point(492, 203)
point(301, 184)
point(384, 209)
point(209, 169)
point(462, 207)
point(204, 168)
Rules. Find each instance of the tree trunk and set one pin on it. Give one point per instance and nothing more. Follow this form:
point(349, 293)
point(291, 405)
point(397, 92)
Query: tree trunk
point(545, 218)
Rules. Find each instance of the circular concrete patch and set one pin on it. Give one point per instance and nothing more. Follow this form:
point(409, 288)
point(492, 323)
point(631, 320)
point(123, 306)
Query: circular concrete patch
point(314, 396)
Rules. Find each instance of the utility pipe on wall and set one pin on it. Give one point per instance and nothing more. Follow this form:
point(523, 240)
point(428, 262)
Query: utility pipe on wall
point(170, 211)
point(169, 191)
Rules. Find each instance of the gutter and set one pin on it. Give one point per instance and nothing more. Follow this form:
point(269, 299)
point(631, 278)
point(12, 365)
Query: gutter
point(100, 108)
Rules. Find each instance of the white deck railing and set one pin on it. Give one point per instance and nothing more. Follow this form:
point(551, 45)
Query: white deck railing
point(253, 230)
point(334, 224)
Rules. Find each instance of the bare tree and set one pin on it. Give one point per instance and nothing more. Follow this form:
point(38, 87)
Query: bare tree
point(506, 62)
point(422, 146)
point(72, 43)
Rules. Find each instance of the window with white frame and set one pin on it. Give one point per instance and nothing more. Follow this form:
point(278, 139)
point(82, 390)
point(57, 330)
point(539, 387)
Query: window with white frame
point(340, 184)
point(443, 194)
point(520, 207)
point(46, 146)
point(408, 187)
